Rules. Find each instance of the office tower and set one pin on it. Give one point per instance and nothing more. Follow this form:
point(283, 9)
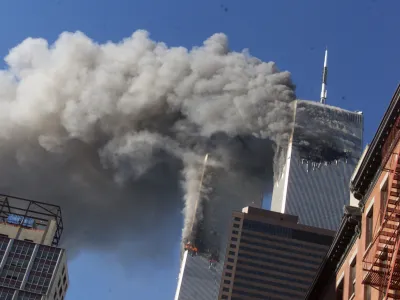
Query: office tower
point(199, 277)
point(324, 148)
point(271, 256)
point(31, 265)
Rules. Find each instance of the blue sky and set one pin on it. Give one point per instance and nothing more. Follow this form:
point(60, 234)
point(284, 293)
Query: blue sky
point(364, 64)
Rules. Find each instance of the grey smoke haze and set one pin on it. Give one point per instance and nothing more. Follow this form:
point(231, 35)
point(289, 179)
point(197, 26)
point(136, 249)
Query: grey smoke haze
point(115, 132)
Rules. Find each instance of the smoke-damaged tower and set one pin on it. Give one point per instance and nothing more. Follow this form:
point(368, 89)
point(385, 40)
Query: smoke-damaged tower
point(31, 265)
point(324, 148)
point(201, 270)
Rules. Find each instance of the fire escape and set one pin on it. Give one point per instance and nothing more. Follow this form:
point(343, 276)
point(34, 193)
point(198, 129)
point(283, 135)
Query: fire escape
point(381, 262)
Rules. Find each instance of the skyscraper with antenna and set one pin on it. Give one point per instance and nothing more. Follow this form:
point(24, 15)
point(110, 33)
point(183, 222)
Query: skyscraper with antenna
point(324, 91)
point(323, 151)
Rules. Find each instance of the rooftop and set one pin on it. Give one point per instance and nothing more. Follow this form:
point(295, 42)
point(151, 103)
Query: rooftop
point(16, 210)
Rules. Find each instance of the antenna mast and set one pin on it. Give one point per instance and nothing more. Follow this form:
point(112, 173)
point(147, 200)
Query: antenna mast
point(324, 91)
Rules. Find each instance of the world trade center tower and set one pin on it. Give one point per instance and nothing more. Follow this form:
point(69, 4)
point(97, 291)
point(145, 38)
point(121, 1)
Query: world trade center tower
point(324, 149)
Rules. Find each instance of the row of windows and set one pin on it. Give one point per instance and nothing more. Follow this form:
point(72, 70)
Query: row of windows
point(266, 290)
point(277, 261)
point(21, 247)
point(22, 295)
point(4, 242)
point(6, 293)
point(16, 264)
point(267, 228)
point(279, 248)
point(239, 268)
point(285, 242)
point(42, 269)
point(285, 232)
point(287, 286)
point(282, 255)
point(41, 289)
point(48, 253)
point(11, 278)
point(251, 294)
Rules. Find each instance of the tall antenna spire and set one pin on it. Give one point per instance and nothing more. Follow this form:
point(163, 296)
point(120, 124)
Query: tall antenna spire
point(324, 91)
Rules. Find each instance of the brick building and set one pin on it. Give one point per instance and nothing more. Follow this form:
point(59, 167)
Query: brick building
point(364, 262)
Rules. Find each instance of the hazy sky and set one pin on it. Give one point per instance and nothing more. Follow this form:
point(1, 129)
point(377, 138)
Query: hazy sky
point(363, 74)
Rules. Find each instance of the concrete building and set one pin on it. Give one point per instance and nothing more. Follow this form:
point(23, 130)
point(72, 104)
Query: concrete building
point(364, 262)
point(271, 256)
point(324, 148)
point(31, 265)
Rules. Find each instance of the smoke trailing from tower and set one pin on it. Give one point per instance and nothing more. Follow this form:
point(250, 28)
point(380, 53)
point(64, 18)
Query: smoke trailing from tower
point(116, 133)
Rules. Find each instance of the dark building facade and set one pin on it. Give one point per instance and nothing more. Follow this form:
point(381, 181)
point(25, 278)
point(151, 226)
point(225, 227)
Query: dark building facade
point(270, 256)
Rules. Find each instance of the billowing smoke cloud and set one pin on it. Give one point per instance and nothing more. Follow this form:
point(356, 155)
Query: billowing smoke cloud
point(115, 133)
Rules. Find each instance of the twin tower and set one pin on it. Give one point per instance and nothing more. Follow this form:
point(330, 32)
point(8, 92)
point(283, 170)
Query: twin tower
point(313, 183)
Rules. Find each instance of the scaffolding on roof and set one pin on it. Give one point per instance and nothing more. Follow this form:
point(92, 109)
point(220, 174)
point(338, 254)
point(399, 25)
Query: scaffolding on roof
point(41, 212)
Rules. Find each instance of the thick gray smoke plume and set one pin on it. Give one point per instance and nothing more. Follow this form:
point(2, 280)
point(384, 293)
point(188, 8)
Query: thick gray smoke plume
point(110, 131)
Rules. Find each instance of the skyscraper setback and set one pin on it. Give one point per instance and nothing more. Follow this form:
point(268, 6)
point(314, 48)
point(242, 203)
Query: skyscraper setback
point(31, 265)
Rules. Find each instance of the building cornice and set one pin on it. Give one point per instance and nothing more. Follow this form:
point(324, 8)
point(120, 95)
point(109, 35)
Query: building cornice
point(373, 158)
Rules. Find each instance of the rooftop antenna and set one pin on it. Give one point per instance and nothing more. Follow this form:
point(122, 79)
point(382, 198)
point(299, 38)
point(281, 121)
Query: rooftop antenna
point(324, 91)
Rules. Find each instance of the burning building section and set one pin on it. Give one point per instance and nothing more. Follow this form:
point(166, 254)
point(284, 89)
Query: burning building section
point(221, 192)
point(324, 149)
point(192, 242)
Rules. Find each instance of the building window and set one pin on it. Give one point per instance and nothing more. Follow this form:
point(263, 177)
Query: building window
point(231, 253)
point(369, 227)
point(228, 274)
point(225, 289)
point(232, 245)
point(352, 283)
point(340, 290)
point(236, 225)
point(367, 292)
point(227, 281)
point(235, 232)
point(231, 260)
point(237, 219)
point(384, 199)
point(234, 239)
